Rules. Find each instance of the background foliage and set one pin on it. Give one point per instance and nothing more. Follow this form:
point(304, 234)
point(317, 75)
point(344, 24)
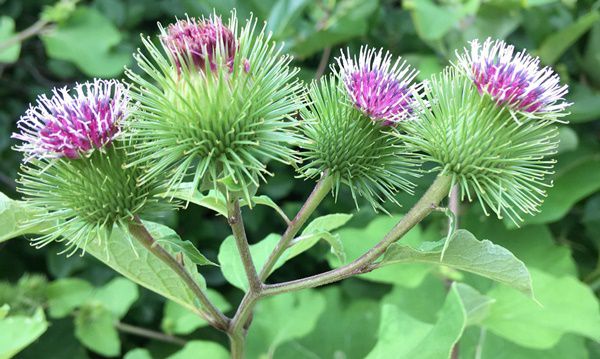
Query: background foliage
point(85, 310)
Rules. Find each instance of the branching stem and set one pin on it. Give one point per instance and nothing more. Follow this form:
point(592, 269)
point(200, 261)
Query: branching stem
point(213, 315)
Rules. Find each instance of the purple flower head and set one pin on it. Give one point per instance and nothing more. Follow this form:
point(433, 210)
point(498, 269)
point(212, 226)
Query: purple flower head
point(72, 123)
point(377, 87)
point(200, 40)
point(516, 81)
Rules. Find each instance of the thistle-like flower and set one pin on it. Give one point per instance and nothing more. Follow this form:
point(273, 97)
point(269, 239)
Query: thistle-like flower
point(380, 89)
point(216, 124)
point(74, 168)
point(200, 40)
point(502, 162)
point(514, 80)
point(73, 124)
point(357, 151)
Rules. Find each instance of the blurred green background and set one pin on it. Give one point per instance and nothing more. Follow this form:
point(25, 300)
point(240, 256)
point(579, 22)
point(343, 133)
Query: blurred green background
point(44, 44)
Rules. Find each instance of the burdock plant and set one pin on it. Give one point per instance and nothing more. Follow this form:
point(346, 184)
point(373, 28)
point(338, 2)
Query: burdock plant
point(214, 103)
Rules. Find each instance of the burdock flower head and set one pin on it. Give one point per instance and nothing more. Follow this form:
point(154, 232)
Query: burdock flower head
point(349, 122)
point(381, 89)
point(218, 106)
point(73, 123)
point(74, 168)
point(490, 124)
point(199, 41)
point(514, 80)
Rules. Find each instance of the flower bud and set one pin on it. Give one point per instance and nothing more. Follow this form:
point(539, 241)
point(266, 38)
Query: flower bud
point(217, 124)
point(74, 168)
point(473, 136)
point(353, 148)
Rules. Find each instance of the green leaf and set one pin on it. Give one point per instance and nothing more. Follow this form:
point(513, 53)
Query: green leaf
point(433, 21)
point(95, 328)
point(422, 302)
point(533, 244)
point(585, 103)
point(214, 200)
point(567, 306)
point(479, 343)
point(20, 331)
point(4, 309)
point(281, 318)
point(401, 336)
point(201, 349)
point(319, 229)
point(345, 20)
point(65, 295)
point(117, 296)
point(87, 39)
point(138, 353)
point(132, 260)
point(266, 201)
point(179, 320)
point(284, 12)
point(359, 240)
point(7, 31)
point(573, 181)
point(556, 44)
point(345, 329)
point(13, 218)
point(466, 253)
point(187, 248)
point(568, 140)
point(231, 263)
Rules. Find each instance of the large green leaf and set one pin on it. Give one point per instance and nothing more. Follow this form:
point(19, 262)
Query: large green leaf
point(281, 318)
point(357, 241)
point(231, 263)
point(88, 40)
point(465, 252)
point(344, 20)
point(7, 31)
point(533, 244)
point(556, 44)
point(201, 349)
point(318, 229)
point(402, 336)
point(480, 343)
point(178, 320)
point(126, 256)
point(567, 306)
point(20, 331)
point(95, 328)
point(65, 295)
point(13, 218)
point(573, 182)
point(346, 329)
point(117, 296)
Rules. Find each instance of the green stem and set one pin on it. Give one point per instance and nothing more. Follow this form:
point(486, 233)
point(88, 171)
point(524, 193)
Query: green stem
point(234, 217)
point(147, 333)
point(214, 315)
point(439, 190)
point(312, 202)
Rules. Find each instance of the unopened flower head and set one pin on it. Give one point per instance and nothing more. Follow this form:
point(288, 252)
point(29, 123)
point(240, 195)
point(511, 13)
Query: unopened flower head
point(379, 88)
point(73, 123)
point(514, 80)
point(356, 151)
point(200, 40)
point(214, 127)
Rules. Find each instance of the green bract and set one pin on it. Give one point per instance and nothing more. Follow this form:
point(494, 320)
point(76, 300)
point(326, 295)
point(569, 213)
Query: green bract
point(361, 153)
point(84, 198)
point(490, 155)
point(217, 123)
